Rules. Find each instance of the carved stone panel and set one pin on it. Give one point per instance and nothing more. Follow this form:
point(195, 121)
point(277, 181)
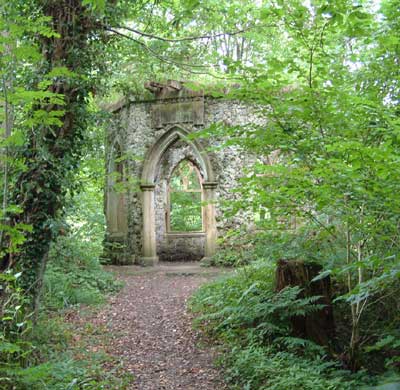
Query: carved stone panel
point(175, 112)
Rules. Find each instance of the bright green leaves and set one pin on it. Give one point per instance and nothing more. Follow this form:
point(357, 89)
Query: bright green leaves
point(27, 97)
point(359, 23)
point(29, 103)
point(330, 88)
point(45, 118)
point(96, 5)
point(15, 235)
point(17, 138)
point(56, 73)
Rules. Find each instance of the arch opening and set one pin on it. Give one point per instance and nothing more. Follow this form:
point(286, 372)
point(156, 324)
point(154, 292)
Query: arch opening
point(155, 154)
point(184, 202)
point(177, 224)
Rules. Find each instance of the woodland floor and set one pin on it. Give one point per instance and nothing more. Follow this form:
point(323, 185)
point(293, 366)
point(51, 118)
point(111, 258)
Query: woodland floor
point(148, 329)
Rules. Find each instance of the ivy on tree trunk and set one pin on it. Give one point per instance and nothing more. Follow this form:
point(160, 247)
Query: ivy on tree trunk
point(52, 151)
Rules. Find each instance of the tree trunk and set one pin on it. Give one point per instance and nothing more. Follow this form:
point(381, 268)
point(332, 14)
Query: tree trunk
point(7, 85)
point(53, 152)
point(318, 326)
point(39, 289)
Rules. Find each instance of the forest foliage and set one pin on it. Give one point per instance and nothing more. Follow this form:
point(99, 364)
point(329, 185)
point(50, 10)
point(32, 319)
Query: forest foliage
point(331, 97)
point(324, 74)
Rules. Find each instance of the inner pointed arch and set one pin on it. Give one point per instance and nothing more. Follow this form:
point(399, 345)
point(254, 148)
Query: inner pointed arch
point(185, 211)
point(156, 152)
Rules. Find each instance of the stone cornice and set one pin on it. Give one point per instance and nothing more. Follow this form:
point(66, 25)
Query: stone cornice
point(147, 187)
point(117, 106)
point(210, 185)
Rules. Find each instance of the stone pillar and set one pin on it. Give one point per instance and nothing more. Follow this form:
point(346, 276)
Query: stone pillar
point(209, 219)
point(149, 251)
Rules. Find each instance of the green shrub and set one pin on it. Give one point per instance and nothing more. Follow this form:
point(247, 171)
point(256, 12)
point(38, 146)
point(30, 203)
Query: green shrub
point(75, 276)
point(256, 367)
point(39, 357)
point(236, 249)
point(228, 258)
point(15, 325)
point(253, 320)
point(64, 374)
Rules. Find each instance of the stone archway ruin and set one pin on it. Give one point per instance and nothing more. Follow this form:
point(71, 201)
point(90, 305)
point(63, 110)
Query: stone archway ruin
point(151, 162)
point(154, 135)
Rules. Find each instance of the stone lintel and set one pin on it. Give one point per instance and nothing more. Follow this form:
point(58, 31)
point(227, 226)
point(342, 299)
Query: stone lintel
point(147, 187)
point(184, 234)
point(175, 104)
point(210, 185)
point(183, 110)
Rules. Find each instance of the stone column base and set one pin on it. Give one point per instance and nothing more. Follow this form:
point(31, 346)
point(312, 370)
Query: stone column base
point(206, 260)
point(148, 261)
point(115, 249)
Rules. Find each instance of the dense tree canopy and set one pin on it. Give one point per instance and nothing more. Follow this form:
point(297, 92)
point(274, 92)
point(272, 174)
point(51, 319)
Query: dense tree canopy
point(324, 74)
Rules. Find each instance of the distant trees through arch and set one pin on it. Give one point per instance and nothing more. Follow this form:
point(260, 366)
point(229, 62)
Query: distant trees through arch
point(185, 211)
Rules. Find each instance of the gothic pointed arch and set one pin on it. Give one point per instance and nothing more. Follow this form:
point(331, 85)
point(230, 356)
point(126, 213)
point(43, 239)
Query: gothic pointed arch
point(115, 203)
point(156, 152)
point(115, 199)
point(151, 164)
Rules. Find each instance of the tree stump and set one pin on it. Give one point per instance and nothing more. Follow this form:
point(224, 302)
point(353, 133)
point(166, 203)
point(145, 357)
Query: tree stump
point(318, 326)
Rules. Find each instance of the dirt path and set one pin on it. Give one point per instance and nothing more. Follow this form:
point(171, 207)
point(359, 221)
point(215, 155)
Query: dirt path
point(150, 330)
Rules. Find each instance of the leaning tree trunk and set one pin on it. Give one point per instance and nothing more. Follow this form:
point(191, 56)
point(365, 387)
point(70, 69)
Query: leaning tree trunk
point(318, 326)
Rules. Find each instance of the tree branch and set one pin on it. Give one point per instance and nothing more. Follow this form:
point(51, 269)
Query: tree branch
point(175, 40)
point(187, 67)
point(153, 52)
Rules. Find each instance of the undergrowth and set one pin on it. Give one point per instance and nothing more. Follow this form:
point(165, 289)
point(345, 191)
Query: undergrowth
point(75, 276)
point(52, 359)
point(54, 353)
point(253, 321)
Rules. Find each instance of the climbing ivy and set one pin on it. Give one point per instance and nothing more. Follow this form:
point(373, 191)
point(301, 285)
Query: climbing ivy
point(49, 105)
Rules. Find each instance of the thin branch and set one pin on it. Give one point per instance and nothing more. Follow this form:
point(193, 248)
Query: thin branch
point(321, 38)
point(363, 305)
point(195, 38)
point(187, 67)
point(381, 298)
point(310, 70)
point(154, 53)
point(5, 167)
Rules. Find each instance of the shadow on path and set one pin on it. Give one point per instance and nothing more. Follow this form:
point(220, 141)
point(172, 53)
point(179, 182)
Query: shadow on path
point(150, 330)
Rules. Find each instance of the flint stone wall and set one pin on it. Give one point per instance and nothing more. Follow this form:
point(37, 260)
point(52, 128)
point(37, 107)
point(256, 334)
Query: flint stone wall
point(135, 128)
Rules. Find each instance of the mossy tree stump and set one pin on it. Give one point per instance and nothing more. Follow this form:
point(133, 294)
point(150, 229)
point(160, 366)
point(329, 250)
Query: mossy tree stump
point(318, 326)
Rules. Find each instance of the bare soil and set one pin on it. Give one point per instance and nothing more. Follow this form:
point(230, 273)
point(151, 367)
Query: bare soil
point(150, 333)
